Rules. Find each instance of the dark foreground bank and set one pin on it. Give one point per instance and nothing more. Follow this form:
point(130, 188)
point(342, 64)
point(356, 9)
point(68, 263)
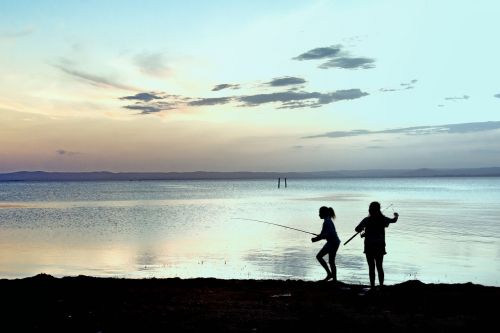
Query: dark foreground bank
point(85, 304)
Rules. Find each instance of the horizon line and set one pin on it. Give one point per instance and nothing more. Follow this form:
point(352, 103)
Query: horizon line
point(269, 171)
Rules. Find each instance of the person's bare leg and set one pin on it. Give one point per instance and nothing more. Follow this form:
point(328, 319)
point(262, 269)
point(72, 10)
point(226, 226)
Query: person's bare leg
point(371, 269)
point(380, 269)
point(333, 267)
point(322, 261)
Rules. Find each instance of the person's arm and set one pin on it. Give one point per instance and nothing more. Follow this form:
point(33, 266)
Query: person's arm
point(322, 235)
point(389, 220)
point(361, 226)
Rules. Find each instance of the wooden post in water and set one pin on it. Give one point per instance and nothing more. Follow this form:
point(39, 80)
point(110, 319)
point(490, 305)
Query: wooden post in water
point(279, 179)
point(285, 182)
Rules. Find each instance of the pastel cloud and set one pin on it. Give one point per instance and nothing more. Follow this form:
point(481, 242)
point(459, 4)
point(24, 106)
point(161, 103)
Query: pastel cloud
point(320, 53)
point(151, 103)
point(402, 86)
point(66, 152)
point(285, 81)
point(95, 80)
point(153, 64)
point(144, 97)
point(418, 130)
point(225, 86)
point(457, 98)
point(337, 58)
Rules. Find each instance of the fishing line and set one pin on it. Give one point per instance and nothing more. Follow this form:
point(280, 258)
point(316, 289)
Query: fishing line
point(276, 224)
point(287, 227)
point(387, 208)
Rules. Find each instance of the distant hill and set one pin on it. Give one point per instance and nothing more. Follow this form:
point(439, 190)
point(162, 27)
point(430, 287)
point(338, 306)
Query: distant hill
point(198, 175)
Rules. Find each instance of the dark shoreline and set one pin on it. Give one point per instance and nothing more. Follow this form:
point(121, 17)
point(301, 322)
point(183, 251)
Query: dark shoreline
point(86, 304)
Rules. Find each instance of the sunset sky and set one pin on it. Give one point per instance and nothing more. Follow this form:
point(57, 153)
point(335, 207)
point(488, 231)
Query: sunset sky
point(248, 85)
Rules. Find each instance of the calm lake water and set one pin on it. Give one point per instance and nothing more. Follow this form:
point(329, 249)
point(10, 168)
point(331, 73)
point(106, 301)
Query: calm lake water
point(448, 231)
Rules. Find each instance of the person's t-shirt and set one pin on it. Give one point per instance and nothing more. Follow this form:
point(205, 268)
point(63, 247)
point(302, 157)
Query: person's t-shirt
point(328, 231)
point(374, 229)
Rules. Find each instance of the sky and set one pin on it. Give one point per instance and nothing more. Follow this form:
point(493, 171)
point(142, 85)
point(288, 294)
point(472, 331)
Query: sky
point(159, 86)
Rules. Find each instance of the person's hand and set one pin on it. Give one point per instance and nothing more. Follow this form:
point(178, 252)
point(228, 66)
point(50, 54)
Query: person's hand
point(396, 214)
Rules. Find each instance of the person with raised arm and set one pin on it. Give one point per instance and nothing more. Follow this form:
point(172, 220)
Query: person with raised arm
point(373, 230)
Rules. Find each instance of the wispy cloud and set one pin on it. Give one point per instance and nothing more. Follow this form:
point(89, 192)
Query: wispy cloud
point(320, 53)
point(153, 102)
point(349, 63)
point(149, 103)
point(455, 98)
point(417, 130)
point(338, 58)
point(96, 80)
point(147, 109)
point(226, 86)
point(285, 81)
point(164, 103)
point(402, 86)
point(153, 64)
point(287, 97)
point(210, 101)
point(66, 152)
point(295, 97)
point(293, 100)
point(409, 84)
point(16, 33)
point(144, 97)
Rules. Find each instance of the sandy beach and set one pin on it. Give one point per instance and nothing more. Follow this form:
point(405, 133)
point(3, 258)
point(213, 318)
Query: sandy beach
point(85, 304)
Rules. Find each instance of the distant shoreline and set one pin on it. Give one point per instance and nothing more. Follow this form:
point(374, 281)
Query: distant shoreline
point(22, 176)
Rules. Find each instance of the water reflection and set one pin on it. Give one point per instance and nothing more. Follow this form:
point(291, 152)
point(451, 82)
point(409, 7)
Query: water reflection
point(448, 229)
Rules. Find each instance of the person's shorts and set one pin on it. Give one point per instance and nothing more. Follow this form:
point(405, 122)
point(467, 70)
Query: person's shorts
point(375, 250)
point(331, 246)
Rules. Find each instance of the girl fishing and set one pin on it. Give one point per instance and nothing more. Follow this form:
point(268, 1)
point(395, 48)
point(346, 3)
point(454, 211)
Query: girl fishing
point(329, 233)
point(374, 233)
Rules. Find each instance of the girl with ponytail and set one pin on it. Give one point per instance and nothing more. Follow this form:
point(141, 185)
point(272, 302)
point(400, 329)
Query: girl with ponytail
point(329, 233)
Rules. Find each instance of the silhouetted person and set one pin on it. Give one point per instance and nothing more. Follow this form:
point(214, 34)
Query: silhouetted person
point(329, 233)
point(374, 233)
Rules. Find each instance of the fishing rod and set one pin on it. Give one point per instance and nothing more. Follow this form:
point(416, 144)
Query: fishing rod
point(347, 241)
point(276, 224)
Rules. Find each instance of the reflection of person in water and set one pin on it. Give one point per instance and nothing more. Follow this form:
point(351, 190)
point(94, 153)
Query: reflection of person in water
point(329, 233)
point(374, 233)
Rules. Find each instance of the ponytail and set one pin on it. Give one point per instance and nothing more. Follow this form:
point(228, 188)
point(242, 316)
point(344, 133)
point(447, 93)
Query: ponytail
point(331, 212)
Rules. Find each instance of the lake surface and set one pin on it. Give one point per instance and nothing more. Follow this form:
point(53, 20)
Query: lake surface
point(448, 230)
